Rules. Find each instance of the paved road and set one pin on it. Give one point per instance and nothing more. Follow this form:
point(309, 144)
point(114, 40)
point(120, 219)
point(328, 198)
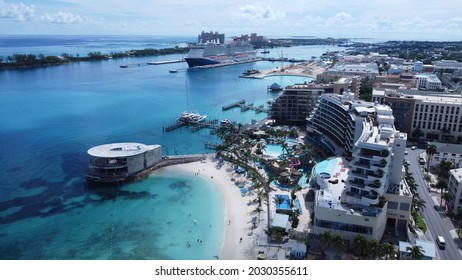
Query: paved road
point(437, 222)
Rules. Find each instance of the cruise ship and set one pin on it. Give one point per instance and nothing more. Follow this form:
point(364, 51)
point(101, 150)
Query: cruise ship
point(212, 53)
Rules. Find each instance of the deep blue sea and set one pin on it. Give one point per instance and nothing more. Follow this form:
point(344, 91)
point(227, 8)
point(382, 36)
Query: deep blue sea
point(51, 116)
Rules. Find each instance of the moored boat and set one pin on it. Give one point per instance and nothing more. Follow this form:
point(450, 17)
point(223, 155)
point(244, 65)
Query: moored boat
point(190, 118)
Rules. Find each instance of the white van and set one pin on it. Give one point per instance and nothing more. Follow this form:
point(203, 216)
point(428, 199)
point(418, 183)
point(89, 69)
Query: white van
point(440, 241)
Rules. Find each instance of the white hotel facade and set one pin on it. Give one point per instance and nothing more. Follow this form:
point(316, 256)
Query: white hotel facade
point(365, 193)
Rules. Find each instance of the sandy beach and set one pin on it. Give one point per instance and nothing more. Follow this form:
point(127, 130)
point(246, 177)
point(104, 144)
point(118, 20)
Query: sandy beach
point(238, 218)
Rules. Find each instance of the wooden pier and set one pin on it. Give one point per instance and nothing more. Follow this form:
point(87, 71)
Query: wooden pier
point(246, 107)
point(233, 105)
point(210, 124)
point(172, 127)
point(213, 124)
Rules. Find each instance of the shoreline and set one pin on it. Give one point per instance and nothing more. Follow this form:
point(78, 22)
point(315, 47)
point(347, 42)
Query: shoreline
point(237, 217)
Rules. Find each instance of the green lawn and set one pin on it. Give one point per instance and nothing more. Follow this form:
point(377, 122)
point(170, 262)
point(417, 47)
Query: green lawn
point(420, 222)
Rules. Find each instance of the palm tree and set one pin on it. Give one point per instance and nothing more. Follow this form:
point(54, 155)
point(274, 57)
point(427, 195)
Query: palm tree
point(387, 250)
point(373, 249)
point(418, 203)
point(339, 243)
point(258, 211)
point(325, 240)
point(431, 150)
point(359, 246)
point(415, 252)
point(443, 169)
point(446, 197)
point(443, 185)
point(285, 147)
point(278, 200)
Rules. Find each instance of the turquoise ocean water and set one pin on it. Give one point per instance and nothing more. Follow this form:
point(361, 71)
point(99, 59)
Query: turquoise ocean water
point(51, 116)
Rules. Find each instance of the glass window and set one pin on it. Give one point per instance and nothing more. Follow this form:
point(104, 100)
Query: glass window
point(392, 204)
point(404, 206)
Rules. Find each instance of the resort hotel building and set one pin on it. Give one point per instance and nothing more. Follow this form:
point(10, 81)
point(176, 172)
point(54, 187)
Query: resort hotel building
point(337, 121)
point(364, 193)
point(295, 103)
point(300, 100)
point(117, 162)
point(426, 114)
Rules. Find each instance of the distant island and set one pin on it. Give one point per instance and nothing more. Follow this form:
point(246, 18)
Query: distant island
point(32, 60)
point(425, 51)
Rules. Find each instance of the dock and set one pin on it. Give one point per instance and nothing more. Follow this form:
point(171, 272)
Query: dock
point(172, 127)
point(210, 124)
point(165, 62)
point(213, 124)
point(233, 105)
point(246, 107)
point(152, 63)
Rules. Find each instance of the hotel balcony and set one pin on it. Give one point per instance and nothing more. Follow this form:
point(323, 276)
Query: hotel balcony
point(373, 210)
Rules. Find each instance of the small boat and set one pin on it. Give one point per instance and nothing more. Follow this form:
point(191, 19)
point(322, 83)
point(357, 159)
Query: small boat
point(226, 123)
point(173, 71)
point(250, 71)
point(124, 66)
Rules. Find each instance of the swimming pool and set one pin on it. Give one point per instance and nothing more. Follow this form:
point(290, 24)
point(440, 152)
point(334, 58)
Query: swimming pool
point(326, 167)
point(285, 205)
point(275, 150)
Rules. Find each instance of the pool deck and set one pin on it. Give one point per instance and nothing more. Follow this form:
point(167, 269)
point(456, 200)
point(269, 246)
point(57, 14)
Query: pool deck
point(333, 193)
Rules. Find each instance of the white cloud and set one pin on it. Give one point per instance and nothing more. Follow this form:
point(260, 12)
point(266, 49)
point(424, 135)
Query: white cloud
point(342, 17)
point(19, 12)
point(257, 12)
point(64, 18)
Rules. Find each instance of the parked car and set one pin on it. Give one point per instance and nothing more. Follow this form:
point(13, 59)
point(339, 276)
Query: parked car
point(413, 147)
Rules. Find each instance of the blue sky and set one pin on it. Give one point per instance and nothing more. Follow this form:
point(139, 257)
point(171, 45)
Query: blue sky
point(392, 19)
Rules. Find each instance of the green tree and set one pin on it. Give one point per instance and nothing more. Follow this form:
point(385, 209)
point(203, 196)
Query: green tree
point(446, 197)
point(415, 252)
point(387, 250)
point(359, 246)
point(443, 169)
point(278, 200)
point(373, 249)
point(431, 150)
point(365, 89)
point(339, 243)
point(325, 241)
point(418, 203)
